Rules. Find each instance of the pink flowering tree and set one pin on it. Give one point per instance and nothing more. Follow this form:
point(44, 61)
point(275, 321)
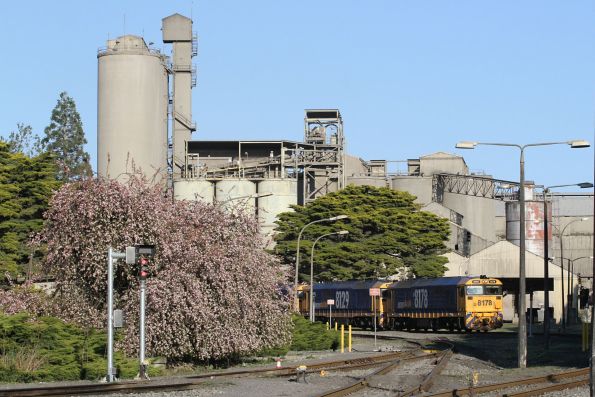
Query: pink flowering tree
point(213, 293)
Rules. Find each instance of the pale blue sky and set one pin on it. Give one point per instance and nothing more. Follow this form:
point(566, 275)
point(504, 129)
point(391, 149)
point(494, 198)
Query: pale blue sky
point(410, 77)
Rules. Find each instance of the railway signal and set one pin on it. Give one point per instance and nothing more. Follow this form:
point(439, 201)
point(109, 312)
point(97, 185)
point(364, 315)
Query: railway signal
point(134, 255)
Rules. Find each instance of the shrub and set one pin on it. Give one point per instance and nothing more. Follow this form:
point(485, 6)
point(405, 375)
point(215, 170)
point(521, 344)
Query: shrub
point(47, 349)
point(312, 336)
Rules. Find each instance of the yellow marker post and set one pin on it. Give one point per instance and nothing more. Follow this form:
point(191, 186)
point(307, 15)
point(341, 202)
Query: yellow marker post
point(349, 341)
point(327, 325)
point(335, 326)
point(342, 338)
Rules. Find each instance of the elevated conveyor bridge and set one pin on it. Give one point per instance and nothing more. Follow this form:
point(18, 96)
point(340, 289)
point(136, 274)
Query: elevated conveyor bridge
point(473, 185)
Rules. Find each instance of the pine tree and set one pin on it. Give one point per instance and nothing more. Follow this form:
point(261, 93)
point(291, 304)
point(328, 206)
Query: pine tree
point(64, 138)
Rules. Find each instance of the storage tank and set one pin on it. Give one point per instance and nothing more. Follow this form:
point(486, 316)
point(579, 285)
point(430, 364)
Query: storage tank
point(201, 190)
point(236, 194)
point(283, 194)
point(132, 100)
point(534, 232)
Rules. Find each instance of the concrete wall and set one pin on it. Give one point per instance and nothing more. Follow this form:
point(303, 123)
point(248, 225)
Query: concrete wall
point(420, 187)
point(478, 213)
point(354, 166)
point(442, 163)
point(368, 180)
point(577, 243)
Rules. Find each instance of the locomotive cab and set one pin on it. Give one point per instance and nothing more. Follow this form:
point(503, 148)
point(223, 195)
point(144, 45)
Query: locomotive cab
point(481, 300)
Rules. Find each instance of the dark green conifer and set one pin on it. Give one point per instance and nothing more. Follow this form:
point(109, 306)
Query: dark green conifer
point(387, 231)
point(64, 138)
point(26, 185)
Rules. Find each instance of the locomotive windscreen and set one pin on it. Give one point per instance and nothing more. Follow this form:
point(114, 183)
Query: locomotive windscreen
point(484, 290)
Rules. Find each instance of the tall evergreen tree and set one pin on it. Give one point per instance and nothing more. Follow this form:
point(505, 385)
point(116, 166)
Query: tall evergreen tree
point(26, 185)
point(387, 231)
point(64, 138)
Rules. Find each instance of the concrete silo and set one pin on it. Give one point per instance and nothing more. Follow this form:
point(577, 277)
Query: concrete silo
point(277, 196)
point(236, 194)
point(194, 190)
point(132, 101)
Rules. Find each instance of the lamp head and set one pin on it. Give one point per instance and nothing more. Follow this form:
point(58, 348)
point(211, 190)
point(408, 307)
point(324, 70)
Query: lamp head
point(466, 145)
point(579, 143)
point(585, 185)
point(338, 218)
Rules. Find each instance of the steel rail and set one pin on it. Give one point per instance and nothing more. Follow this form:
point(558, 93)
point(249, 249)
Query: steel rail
point(506, 385)
point(194, 381)
point(548, 389)
point(428, 380)
point(312, 367)
point(106, 388)
point(364, 382)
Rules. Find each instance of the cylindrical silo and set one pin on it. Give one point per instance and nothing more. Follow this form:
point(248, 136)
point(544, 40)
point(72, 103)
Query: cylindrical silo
point(534, 217)
point(236, 194)
point(191, 190)
point(283, 194)
point(132, 100)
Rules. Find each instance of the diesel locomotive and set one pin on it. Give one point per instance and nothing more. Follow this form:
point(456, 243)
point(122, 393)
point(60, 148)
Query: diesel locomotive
point(453, 303)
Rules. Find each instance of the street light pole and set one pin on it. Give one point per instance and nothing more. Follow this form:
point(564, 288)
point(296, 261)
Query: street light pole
point(297, 254)
point(522, 333)
point(564, 311)
point(546, 276)
point(341, 232)
point(546, 259)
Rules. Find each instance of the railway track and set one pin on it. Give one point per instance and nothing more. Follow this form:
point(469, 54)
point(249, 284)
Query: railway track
point(441, 359)
point(554, 382)
point(195, 381)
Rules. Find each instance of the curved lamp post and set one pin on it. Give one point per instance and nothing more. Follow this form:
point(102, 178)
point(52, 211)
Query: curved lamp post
point(546, 284)
point(297, 253)
point(341, 232)
point(565, 312)
point(522, 334)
